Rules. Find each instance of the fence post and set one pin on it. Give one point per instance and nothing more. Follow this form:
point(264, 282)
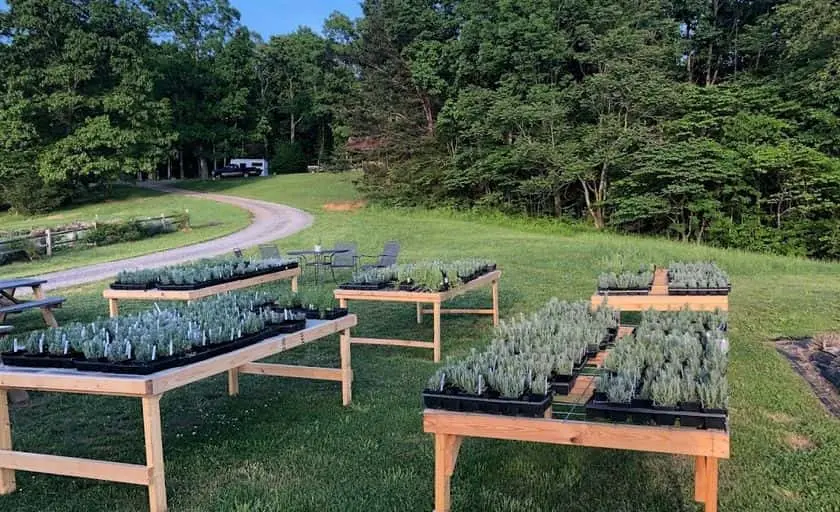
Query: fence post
point(163, 222)
point(48, 240)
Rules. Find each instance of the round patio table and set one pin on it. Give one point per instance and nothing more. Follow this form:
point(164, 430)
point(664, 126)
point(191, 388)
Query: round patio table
point(322, 258)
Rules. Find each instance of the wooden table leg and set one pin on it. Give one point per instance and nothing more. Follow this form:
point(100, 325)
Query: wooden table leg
point(294, 284)
point(47, 313)
point(7, 476)
point(233, 381)
point(711, 484)
point(346, 368)
point(436, 313)
point(446, 455)
point(495, 289)
point(114, 307)
point(419, 313)
point(154, 453)
point(700, 479)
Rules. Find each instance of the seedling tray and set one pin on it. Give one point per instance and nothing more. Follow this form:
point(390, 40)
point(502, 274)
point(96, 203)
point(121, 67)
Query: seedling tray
point(533, 407)
point(707, 418)
point(335, 313)
point(132, 367)
point(699, 291)
point(135, 287)
point(633, 291)
point(25, 359)
point(562, 384)
point(365, 287)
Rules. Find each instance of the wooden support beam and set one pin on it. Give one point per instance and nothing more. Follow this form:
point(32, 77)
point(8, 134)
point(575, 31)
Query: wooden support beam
point(80, 468)
point(446, 456)
point(154, 453)
point(495, 293)
point(461, 311)
point(291, 371)
point(233, 382)
point(711, 484)
point(346, 371)
point(700, 479)
point(437, 337)
point(672, 440)
point(392, 342)
point(7, 475)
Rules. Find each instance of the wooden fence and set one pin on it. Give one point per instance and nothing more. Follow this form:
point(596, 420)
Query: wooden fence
point(46, 241)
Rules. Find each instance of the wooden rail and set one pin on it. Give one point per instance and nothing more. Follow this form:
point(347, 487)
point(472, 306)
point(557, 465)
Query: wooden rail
point(150, 389)
point(490, 279)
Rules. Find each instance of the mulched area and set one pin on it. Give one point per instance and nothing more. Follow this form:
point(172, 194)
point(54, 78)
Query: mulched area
point(817, 359)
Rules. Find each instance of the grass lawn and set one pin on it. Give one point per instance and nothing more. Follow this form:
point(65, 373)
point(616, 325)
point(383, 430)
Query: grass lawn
point(208, 218)
point(289, 445)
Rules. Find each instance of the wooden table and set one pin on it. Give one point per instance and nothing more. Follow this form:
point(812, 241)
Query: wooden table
point(149, 389)
point(451, 428)
point(420, 299)
point(660, 300)
point(115, 296)
point(44, 303)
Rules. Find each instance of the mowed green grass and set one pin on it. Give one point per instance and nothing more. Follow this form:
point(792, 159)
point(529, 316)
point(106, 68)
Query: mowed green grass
point(289, 445)
point(208, 218)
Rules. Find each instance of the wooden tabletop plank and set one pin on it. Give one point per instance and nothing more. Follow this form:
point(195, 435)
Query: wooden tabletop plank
point(674, 440)
point(73, 381)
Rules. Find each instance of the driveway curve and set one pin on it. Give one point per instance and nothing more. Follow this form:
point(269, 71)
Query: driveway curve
point(270, 222)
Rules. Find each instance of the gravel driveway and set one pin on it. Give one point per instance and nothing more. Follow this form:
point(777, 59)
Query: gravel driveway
point(270, 222)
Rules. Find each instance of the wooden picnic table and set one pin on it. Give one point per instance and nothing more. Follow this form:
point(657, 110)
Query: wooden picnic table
point(10, 304)
point(149, 389)
point(115, 296)
point(563, 426)
point(659, 299)
point(490, 279)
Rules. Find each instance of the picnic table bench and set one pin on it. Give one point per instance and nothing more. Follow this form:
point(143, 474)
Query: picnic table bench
point(9, 304)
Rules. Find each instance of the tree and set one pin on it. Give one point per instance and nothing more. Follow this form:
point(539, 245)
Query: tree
point(78, 96)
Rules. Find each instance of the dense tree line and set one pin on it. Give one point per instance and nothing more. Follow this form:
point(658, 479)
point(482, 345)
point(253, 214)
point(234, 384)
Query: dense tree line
point(713, 120)
point(94, 90)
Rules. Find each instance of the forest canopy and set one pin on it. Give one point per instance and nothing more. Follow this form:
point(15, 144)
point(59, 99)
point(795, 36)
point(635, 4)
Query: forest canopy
point(707, 121)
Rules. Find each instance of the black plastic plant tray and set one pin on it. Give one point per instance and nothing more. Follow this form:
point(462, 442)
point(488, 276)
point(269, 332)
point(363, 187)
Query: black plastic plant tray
point(192, 287)
point(633, 291)
point(135, 287)
point(132, 367)
point(287, 327)
point(699, 291)
point(709, 419)
point(563, 385)
point(335, 313)
point(24, 359)
point(365, 287)
point(486, 405)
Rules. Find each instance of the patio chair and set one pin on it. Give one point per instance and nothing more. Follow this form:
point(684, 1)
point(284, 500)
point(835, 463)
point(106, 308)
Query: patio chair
point(345, 260)
point(388, 257)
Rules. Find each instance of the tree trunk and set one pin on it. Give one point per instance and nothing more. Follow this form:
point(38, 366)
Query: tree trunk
point(203, 171)
point(428, 112)
point(180, 164)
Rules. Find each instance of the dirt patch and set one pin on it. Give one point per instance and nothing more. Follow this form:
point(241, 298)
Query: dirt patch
point(798, 442)
point(802, 353)
point(780, 417)
point(344, 206)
